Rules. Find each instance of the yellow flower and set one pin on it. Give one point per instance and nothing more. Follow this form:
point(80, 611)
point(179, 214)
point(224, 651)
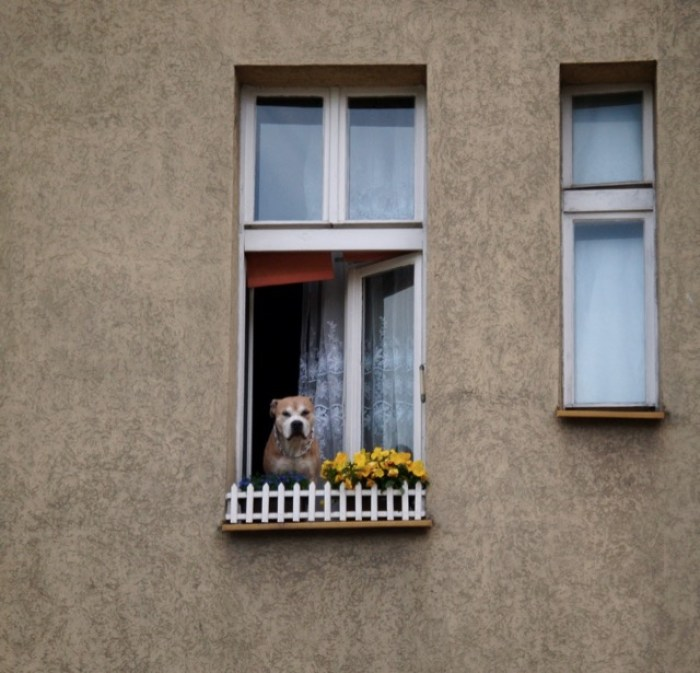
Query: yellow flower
point(377, 472)
point(348, 482)
point(365, 470)
point(401, 458)
point(360, 459)
point(379, 453)
point(324, 469)
point(340, 460)
point(393, 472)
point(418, 468)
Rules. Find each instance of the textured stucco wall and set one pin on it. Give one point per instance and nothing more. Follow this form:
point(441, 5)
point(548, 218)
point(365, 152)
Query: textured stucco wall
point(557, 546)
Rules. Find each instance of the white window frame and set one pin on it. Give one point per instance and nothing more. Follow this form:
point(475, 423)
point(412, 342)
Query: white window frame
point(341, 189)
point(335, 155)
point(569, 93)
point(333, 233)
point(650, 324)
point(353, 350)
point(604, 203)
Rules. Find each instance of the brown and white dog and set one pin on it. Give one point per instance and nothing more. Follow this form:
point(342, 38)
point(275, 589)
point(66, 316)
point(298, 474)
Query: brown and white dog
point(292, 446)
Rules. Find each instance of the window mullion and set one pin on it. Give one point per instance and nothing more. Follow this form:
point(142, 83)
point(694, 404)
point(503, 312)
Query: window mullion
point(334, 173)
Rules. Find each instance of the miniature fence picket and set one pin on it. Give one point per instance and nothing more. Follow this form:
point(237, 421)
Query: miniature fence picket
point(295, 504)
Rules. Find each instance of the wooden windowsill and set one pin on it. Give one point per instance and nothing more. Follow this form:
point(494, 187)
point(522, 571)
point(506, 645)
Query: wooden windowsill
point(323, 525)
point(629, 414)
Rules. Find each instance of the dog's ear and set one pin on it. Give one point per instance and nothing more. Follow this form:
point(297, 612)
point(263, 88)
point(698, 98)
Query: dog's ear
point(273, 408)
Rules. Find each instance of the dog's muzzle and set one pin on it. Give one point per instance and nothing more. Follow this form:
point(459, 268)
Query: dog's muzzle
point(297, 429)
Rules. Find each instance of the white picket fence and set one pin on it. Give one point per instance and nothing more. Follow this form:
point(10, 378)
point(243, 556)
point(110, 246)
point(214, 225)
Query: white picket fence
point(280, 505)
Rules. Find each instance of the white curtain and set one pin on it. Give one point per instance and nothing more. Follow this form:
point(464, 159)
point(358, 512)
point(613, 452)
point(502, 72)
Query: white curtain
point(381, 159)
point(321, 363)
point(607, 138)
point(387, 359)
point(609, 313)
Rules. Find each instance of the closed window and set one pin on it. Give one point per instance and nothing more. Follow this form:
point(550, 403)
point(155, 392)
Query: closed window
point(608, 219)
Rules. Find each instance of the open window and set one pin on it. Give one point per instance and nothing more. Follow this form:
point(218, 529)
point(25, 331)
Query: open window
point(608, 235)
point(352, 342)
point(332, 230)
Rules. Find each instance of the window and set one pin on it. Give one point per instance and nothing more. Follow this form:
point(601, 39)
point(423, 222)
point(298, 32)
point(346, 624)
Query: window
point(608, 219)
point(332, 226)
point(332, 156)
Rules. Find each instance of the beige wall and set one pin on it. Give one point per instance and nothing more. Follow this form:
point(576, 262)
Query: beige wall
point(557, 547)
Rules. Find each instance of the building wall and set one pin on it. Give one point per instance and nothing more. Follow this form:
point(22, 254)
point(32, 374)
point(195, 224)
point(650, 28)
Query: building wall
point(557, 546)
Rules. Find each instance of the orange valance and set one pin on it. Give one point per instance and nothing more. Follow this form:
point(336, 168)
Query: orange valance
point(283, 268)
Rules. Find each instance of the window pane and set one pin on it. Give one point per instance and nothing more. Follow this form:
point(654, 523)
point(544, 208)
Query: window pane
point(289, 159)
point(609, 334)
point(607, 138)
point(387, 360)
point(381, 158)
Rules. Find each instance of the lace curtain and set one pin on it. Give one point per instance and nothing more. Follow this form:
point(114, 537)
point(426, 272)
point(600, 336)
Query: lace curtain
point(321, 363)
point(387, 359)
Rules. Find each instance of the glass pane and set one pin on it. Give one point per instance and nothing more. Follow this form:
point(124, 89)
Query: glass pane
point(381, 158)
point(607, 138)
point(609, 334)
point(387, 360)
point(289, 159)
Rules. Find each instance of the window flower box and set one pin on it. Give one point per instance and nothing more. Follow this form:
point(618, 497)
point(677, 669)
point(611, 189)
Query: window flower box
point(379, 487)
point(294, 504)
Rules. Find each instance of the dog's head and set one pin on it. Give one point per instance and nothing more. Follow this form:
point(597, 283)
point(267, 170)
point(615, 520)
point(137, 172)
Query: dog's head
point(294, 417)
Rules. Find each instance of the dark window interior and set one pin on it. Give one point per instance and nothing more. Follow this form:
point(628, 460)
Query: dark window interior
point(276, 350)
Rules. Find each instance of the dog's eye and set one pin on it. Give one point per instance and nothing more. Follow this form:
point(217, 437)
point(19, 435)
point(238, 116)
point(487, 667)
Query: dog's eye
point(286, 413)
point(305, 412)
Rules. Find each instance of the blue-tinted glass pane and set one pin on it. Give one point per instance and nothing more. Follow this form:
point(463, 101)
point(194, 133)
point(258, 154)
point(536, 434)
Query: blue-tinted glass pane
point(289, 159)
point(609, 333)
point(387, 360)
point(607, 138)
point(381, 158)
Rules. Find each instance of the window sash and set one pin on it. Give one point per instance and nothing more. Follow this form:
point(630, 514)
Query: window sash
point(335, 153)
point(289, 164)
point(649, 396)
point(354, 332)
point(647, 150)
point(249, 148)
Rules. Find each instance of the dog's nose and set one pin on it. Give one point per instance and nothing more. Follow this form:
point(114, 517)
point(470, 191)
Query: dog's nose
point(297, 428)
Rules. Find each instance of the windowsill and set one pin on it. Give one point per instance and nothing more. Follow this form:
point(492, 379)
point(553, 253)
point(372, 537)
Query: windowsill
point(322, 525)
point(623, 414)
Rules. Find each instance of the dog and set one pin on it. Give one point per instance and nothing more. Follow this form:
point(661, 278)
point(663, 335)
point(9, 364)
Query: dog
point(292, 446)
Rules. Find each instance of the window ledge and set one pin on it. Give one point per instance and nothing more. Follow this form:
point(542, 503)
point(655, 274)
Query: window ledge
point(322, 525)
point(629, 414)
